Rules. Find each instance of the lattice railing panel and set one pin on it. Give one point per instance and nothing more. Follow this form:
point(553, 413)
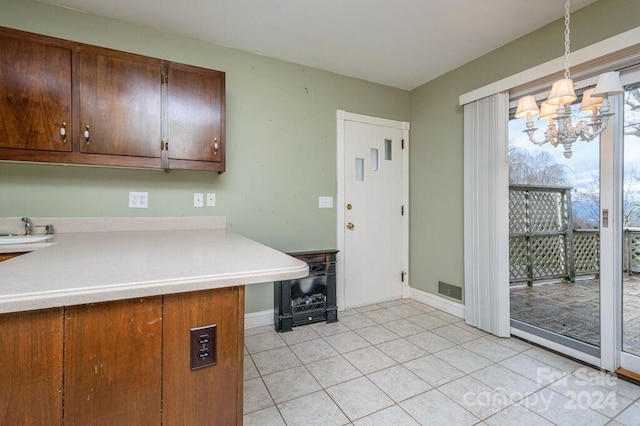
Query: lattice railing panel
point(518, 212)
point(549, 256)
point(632, 250)
point(540, 234)
point(518, 258)
point(545, 211)
point(586, 247)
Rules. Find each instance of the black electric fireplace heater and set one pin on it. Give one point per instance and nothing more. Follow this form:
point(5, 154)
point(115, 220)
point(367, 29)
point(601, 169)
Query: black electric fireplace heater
point(309, 299)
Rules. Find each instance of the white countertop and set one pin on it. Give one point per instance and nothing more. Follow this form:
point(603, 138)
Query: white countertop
point(89, 267)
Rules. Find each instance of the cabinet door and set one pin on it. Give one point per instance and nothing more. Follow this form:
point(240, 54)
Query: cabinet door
point(31, 367)
point(211, 395)
point(120, 103)
point(35, 95)
point(195, 116)
point(113, 365)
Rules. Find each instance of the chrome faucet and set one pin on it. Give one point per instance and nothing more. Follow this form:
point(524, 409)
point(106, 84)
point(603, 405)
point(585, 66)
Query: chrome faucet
point(28, 225)
point(48, 229)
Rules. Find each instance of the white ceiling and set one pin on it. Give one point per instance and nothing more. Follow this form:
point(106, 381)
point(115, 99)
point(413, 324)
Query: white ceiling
point(402, 43)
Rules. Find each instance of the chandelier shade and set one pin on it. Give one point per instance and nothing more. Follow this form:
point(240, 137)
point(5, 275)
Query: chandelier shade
point(608, 84)
point(548, 111)
point(562, 92)
point(590, 102)
point(527, 107)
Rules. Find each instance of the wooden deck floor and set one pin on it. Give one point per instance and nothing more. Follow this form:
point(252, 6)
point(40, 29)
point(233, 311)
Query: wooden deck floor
point(573, 309)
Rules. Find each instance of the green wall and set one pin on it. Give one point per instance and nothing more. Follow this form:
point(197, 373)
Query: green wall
point(281, 142)
point(436, 162)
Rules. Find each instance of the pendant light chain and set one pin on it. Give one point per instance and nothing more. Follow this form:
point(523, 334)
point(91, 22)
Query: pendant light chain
point(567, 41)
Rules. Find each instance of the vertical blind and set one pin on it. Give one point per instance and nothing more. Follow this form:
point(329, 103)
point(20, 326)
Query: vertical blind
point(486, 214)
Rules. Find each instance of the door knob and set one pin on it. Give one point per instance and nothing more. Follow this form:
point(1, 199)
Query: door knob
point(350, 226)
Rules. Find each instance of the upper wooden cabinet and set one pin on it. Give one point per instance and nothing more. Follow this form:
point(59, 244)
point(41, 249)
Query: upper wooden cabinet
point(35, 95)
point(119, 103)
point(67, 102)
point(195, 118)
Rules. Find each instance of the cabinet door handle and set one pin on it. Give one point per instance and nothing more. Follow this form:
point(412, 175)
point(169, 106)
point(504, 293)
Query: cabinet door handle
point(63, 131)
point(87, 134)
point(215, 144)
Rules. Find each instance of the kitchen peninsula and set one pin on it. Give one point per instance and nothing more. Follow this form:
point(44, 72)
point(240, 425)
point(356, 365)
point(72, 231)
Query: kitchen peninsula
point(96, 327)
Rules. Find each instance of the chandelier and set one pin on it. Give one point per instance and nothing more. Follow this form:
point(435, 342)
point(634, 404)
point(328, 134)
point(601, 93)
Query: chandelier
point(557, 108)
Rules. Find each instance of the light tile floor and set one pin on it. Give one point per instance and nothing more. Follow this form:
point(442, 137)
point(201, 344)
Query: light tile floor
point(405, 363)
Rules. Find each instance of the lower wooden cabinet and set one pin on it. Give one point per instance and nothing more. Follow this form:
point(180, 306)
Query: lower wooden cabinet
point(211, 395)
point(31, 367)
point(113, 363)
point(7, 256)
point(123, 362)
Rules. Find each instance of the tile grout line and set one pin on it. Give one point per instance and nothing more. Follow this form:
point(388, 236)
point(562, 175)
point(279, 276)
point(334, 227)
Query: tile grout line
point(324, 338)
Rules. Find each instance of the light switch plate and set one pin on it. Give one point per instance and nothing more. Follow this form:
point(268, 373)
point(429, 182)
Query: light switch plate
point(211, 199)
point(325, 202)
point(138, 200)
point(198, 199)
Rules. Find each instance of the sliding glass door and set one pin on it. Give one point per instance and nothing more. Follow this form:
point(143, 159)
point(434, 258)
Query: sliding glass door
point(630, 289)
point(575, 238)
point(554, 235)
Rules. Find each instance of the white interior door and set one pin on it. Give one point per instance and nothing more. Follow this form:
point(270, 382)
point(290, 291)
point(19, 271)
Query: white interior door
point(372, 225)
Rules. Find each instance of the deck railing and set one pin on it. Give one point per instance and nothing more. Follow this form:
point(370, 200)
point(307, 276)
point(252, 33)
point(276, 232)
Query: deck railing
point(543, 244)
point(631, 250)
point(540, 233)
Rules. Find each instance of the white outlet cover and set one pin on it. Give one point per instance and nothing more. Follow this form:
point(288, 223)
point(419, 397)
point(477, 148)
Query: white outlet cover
point(138, 200)
point(198, 199)
point(211, 199)
point(325, 202)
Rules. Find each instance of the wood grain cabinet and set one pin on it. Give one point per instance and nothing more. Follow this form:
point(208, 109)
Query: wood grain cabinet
point(124, 362)
point(195, 133)
point(35, 95)
point(119, 103)
point(31, 367)
point(67, 102)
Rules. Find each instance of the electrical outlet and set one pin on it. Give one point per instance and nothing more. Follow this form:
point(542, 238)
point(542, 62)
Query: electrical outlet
point(325, 202)
point(211, 199)
point(198, 199)
point(203, 345)
point(138, 200)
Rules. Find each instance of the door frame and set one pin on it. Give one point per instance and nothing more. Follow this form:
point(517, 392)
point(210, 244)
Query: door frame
point(619, 44)
point(342, 117)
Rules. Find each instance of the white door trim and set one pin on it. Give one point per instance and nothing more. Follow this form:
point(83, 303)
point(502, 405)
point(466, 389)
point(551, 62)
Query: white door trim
point(594, 51)
point(341, 117)
point(611, 182)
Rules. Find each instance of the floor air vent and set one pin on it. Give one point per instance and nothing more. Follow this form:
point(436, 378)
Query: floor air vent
point(450, 290)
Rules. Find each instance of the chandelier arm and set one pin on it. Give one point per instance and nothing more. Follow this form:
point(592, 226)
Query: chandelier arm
point(531, 132)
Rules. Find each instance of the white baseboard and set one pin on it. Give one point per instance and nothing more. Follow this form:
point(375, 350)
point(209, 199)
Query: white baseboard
point(446, 305)
point(406, 291)
point(258, 319)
